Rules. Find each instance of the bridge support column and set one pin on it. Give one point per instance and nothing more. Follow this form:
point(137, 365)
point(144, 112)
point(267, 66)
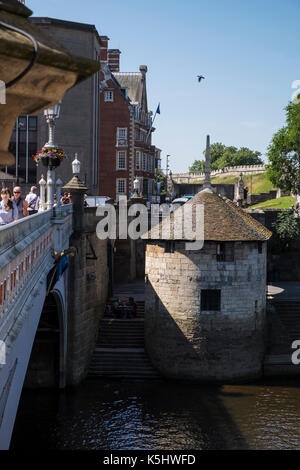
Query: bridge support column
point(50, 188)
point(87, 292)
point(42, 184)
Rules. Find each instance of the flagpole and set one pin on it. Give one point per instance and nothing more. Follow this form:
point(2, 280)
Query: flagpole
point(152, 123)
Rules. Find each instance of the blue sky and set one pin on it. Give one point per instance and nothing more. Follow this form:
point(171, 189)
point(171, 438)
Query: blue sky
point(248, 51)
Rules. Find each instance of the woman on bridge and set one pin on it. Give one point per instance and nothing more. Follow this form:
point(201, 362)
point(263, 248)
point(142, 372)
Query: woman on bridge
point(8, 209)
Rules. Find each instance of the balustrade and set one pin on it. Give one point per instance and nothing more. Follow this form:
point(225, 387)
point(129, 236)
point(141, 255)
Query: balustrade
point(25, 245)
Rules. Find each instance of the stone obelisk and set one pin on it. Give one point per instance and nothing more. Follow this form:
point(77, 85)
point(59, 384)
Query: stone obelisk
point(207, 184)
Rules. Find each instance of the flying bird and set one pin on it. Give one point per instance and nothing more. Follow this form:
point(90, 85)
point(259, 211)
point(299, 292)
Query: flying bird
point(200, 77)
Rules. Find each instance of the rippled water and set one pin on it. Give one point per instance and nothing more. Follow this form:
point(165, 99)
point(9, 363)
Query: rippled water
point(159, 415)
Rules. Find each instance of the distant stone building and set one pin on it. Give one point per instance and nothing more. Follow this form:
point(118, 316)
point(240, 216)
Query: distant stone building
point(205, 309)
point(23, 145)
point(77, 129)
point(125, 129)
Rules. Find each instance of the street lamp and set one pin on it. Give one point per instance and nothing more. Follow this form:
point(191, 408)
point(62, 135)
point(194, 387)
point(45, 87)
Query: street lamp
point(136, 185)
point(51, 114)
point(76, 165)
point(167, 174)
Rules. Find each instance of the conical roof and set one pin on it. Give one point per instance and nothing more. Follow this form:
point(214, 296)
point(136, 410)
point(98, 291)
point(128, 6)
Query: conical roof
point(223, 221)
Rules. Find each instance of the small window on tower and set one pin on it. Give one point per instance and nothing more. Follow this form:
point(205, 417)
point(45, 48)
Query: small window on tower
point(259, 247)
point(225, 251)
point(170, 246)
point(211, 299)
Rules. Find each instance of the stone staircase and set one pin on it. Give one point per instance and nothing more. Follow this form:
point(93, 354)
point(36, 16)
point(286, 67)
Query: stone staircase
point(289, 315)
point(119, 351)
point(286, 329)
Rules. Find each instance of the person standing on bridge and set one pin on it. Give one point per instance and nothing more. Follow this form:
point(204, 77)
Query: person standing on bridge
point(20, 202)
point(33, 201)
point(8, 209)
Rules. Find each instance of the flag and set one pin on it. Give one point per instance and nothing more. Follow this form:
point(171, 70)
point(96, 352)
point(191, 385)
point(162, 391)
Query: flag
point(56, 272)
point(158, 109)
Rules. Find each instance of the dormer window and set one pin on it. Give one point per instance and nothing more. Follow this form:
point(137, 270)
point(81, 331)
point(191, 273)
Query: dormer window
point(124, 91)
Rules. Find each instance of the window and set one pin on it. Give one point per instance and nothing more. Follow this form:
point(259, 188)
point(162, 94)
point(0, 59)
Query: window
point(136, 112)
point(259, 247)
point(150, 187)
point(170, 246)
point(121, 186)
point(144, 162)
point(225, 251)
point(150, 163)
point(124, 92)
point(143, 135)
point(32, 123)
point(122, 132)
point(22, 123)
point(121, 163)
point(211, 299)
point(138, 160)
point(108, 96)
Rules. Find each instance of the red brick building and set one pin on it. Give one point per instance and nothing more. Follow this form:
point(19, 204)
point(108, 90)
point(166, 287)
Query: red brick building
point(125, 142)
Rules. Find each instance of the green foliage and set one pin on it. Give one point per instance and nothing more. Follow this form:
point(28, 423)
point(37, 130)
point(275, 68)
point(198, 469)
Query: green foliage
point(159, 176)
point(284, 152)
point(222, 156)
point(286, 228)
point(197, 167)
point(284, 202)
point(257, 183)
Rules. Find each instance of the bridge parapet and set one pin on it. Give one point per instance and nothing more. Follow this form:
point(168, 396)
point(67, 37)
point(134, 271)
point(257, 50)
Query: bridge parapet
point(26, 249)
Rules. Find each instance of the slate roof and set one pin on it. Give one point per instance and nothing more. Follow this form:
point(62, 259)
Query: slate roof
point(223, 221)
point(133, 83)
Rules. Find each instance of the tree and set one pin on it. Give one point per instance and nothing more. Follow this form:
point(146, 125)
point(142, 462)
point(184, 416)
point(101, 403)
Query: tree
point(160, 177)
point(197, 166)
point(236, 157)
point(216, 152)
point(284, 152)
point(286, 228)
point(222, 156)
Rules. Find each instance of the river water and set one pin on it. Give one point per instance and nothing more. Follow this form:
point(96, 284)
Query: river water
point(159, 415)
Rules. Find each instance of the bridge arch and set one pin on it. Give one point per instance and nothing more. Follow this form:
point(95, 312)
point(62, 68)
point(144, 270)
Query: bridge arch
point(47, 364)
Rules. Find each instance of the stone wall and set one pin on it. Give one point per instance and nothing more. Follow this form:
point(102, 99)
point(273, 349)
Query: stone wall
point(187, 343)
point(225, 190)
point(232, 170)
point(262, 197)
point(88, 288)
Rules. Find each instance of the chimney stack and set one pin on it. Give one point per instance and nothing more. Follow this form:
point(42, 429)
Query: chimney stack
point(103, 48)
point(114, 59)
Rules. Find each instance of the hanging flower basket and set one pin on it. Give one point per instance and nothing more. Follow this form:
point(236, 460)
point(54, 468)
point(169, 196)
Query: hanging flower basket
point(50, 157)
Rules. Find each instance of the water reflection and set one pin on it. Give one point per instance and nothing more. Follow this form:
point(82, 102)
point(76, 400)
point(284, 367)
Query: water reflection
point(159, 415)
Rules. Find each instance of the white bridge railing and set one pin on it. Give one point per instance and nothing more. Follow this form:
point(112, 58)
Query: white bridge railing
point(26, 248)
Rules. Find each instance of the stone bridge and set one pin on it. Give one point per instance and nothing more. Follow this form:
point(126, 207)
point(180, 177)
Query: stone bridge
point(50, 304)
point(26, 258)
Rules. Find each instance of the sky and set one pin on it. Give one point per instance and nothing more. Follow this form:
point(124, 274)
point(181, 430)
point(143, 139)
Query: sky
point(247, 50)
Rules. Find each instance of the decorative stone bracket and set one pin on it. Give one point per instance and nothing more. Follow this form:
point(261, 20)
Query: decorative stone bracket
point(53, 73)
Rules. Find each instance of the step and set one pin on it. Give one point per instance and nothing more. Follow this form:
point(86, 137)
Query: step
point(119, 351)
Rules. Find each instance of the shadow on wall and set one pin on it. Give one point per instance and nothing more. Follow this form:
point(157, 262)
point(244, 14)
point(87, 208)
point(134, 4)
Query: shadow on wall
point(207, 348)
point(44, 365)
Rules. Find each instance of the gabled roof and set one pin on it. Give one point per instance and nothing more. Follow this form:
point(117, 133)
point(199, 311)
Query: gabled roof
point(133, 83)
point(223, 221)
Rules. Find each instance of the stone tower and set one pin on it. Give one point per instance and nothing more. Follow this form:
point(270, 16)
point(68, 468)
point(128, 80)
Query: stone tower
point(205, 309)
